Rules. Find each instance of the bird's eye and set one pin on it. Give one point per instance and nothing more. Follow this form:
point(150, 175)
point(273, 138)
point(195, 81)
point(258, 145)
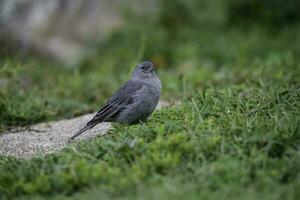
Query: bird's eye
point(143, 68)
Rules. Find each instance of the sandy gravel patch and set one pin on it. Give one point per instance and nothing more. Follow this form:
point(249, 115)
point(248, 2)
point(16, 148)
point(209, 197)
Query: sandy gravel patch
point(49, 137)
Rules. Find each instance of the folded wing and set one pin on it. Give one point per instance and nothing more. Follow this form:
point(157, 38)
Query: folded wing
point(117, 102)
point(123, 97)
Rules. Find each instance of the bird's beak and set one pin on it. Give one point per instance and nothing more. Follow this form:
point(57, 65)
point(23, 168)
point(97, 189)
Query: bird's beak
point(153, 68)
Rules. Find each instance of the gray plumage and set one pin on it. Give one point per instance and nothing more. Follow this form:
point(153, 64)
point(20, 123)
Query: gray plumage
point(134, 102)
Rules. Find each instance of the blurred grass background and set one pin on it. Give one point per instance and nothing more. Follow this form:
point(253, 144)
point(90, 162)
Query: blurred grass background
point(235, 66)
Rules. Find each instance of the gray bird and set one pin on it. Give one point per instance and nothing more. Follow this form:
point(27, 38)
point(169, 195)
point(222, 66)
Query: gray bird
point(134, 102)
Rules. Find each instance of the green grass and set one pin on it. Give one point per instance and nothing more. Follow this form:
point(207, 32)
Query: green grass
point(234, 136)
point(226, 142)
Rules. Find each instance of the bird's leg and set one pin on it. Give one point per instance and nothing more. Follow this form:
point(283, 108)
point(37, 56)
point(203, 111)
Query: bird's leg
point(141, 122)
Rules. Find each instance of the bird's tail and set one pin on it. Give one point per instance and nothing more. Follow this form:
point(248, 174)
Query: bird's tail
point(87, 127)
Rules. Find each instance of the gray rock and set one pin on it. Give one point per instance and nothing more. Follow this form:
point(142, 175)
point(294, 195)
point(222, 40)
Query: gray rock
point(62, 28)
point(46, 138)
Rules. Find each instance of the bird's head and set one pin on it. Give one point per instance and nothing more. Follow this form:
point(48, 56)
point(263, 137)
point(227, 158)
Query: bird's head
point(144, 70)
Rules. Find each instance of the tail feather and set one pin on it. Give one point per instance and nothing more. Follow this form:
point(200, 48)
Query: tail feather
point(87, 127)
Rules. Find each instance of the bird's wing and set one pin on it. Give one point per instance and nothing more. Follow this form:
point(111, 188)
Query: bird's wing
point(117, 102)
